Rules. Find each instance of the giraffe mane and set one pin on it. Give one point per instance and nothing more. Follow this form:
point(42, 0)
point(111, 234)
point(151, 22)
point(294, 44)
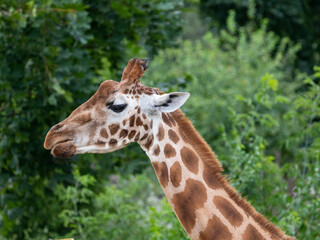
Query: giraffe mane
point(210, 160)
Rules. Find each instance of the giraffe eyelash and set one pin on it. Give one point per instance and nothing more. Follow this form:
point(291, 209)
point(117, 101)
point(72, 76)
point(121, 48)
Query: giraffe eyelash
point(116, 108)
point(108, 104)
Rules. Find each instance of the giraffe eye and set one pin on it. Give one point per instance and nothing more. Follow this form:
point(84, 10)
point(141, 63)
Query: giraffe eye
point(118, 108)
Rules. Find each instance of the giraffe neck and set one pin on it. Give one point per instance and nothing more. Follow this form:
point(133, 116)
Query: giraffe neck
point(205, 204)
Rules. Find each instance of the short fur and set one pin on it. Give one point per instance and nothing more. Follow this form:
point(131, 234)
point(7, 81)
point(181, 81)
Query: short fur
point(211, 161)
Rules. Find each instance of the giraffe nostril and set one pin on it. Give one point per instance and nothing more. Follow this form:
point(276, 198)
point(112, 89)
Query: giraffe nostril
point(57, 127)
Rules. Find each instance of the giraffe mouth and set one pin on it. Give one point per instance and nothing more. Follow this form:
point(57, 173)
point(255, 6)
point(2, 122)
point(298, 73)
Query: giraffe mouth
point(97, 149)
point(64, 149)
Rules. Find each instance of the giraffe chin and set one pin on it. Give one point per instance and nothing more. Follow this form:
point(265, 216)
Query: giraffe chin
point(64, 150)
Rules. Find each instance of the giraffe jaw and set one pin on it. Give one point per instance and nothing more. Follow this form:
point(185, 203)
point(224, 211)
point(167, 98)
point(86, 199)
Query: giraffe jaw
point(97, 149)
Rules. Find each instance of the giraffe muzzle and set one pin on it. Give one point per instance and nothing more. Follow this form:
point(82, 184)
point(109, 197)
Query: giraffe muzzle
point(60, 141)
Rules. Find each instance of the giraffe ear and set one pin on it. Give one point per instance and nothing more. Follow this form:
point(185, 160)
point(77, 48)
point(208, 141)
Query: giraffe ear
point(171, 102)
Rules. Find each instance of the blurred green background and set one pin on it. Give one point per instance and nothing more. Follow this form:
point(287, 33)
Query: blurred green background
point(251, 66)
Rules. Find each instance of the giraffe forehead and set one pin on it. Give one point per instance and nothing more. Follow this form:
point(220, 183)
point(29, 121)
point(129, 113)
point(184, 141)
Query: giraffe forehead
point(139, 92)
point(138, 88)
point(105, 93)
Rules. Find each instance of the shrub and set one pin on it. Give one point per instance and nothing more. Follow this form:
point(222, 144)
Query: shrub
point(129, 207)
point(53, 56)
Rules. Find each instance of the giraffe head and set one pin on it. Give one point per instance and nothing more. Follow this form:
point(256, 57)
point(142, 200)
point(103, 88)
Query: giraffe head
point(116, 115)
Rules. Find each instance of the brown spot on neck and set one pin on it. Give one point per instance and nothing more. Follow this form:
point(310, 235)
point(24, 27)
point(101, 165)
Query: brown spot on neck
point(183, 136)
point(139, 122)
point(190, 159)
point(171, 119)
point(162, 173)
point(166, 120)
point(169, 151)
point(251, 233)
point(160, 134)
point(186, 203)
point(131, 120)
point(173, 136)
point(216, 230)
point(210, 179)
point(149, 142)
point(176, 174)
point(228, 211)
point(156, 150)
point(136, 138)
point(144, 137)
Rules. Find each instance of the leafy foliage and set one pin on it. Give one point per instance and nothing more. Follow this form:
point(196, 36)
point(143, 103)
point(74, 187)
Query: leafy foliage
point(132, 207)
point(303, 142)
point(294, 19)
point(215, 70)
point(53, 55)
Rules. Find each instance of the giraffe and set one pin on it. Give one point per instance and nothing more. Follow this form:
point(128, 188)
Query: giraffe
point(189, 172)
